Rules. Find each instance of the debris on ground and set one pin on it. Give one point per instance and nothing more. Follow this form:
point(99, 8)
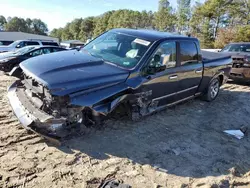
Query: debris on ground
point(236, 133)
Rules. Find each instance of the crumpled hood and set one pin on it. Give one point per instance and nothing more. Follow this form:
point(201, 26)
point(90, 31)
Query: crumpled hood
point(72, 71)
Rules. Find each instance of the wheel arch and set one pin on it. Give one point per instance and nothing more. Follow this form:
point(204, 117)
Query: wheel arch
point(219, 75)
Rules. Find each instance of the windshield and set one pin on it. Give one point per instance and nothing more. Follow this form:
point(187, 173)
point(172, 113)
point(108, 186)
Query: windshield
point(119, 49)
point(23, 50)
point(237, 48)
point(14, 44)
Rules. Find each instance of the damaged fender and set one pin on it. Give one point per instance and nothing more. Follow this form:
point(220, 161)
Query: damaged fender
point(103, 100)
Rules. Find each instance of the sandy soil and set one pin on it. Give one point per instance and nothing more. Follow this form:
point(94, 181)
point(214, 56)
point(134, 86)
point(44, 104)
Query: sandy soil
point(180, 147)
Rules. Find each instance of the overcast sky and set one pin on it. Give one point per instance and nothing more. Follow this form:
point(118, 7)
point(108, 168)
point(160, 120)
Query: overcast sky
point(56, 13)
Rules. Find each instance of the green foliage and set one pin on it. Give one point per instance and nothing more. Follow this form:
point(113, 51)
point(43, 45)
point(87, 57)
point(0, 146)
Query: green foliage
point(183, 15)
point(35, 26)
point(2, 22)
point(218, 15)
point(225, 36)
point(102, 23)
point(207, 21)
point(87, 28)
point(232, 34)
point(243, 34)
point(165, 18)
point(163, 4)
point(57, 33)
point(215, 22)
point(16, 24)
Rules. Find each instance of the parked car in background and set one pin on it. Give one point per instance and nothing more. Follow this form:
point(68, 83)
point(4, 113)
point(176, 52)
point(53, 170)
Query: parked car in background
point(240, 53)
point(69, 44)
point(76, 48)
point(5, 43)
point(22, 43)
point(123, 71)
point(8, 60)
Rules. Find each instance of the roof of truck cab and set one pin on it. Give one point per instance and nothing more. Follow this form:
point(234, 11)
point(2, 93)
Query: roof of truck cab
point(151, 35)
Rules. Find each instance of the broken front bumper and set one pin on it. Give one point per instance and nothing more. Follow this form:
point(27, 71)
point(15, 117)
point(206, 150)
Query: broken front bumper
point(33, 118)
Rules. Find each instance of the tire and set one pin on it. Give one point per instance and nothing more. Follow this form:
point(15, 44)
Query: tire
point(212, 90)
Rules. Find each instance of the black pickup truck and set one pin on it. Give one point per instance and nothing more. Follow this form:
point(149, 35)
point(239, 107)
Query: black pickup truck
point(121, 72)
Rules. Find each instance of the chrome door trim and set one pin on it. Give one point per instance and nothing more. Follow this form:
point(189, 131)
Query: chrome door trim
point(176, 93)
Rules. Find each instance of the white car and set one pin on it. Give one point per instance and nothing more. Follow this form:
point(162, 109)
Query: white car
point(22, 43)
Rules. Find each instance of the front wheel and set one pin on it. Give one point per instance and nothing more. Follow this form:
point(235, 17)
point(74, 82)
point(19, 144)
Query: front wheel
point(213, 90)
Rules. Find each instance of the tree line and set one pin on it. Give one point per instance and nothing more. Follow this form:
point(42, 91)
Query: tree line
point(214, 22)
point(35, 26)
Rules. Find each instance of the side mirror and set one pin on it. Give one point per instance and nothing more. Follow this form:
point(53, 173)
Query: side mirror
point(18, 46)
point(157, 58)
point(156, 65)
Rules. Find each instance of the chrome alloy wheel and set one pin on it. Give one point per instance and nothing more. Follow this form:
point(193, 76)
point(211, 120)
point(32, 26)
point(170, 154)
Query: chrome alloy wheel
point(214, 88)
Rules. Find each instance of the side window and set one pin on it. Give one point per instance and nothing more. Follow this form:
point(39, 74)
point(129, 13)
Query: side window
point(189, 53)
point(164, 55)
point(50, 43)
point(20, 45)
point(31, 43)
point(36, 53)
point(57, 49)
point(47, 50)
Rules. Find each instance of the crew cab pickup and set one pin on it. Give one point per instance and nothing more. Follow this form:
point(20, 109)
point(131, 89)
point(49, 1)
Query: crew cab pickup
point(121, 72)
point(240, 53)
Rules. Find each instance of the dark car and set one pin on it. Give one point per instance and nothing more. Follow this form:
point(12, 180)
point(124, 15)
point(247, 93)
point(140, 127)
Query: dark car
point(122, 72)
point(240, 53)
point(8, 60)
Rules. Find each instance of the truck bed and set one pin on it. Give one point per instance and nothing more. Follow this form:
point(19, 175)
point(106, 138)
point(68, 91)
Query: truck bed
point(210, 56)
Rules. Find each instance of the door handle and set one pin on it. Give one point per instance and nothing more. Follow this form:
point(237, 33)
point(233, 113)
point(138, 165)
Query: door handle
point(198, 71)
point(173, 77)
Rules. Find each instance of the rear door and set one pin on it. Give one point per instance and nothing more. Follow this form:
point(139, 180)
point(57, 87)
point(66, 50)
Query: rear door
point(190, 69)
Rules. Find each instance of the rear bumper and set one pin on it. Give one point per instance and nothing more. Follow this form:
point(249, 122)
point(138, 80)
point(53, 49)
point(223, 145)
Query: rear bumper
point(240, 74)
point(32, 118)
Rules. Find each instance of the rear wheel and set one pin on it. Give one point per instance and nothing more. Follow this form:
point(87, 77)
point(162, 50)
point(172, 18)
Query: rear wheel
point(213, 90)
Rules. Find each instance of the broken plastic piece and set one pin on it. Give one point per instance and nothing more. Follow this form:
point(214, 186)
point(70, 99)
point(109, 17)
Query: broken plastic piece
point(236, 133)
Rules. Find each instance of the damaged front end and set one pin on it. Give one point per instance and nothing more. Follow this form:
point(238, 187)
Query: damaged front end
point(39, 111)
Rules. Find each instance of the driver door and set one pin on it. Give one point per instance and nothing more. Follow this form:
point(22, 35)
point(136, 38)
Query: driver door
point(163, 82)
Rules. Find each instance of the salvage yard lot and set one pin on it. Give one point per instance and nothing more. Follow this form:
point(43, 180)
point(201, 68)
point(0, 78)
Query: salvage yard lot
point(183, 146)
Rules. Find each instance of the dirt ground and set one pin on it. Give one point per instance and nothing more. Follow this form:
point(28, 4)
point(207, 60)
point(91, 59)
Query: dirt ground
point(180, 147)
